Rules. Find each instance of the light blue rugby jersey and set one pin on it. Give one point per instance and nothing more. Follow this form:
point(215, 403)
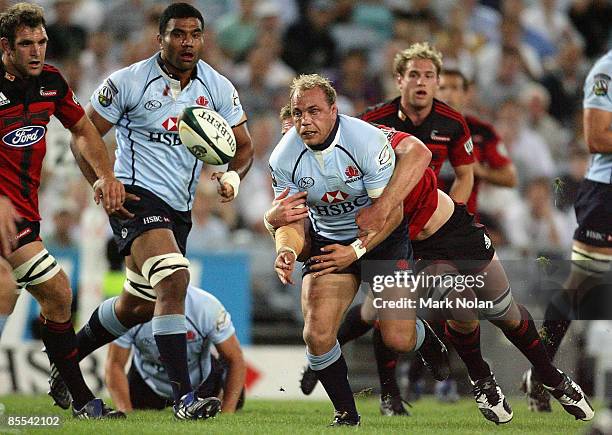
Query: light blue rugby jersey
point(339, 180)
point(208, 323)
point(598, 95)
point(144, 104)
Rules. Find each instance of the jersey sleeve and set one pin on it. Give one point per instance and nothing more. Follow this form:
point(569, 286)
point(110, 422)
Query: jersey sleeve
point(597, 93)
point(393, 136)
point(281, 178)
point(67, 108)
point(217, 322)
point(378, 164)
point(110, 99)
point(229, 104)
point(126, 340)
point(495, 154)
point(461, 148)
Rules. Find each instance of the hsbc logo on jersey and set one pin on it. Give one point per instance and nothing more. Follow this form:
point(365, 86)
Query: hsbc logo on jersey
point(334, 196)
point(24, 136)
point(171, 124)
point(338, 204)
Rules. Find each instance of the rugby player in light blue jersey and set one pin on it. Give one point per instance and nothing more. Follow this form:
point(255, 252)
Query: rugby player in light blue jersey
point(146, 386)
point(344, 164)
point(592, 248)
point(143, 102)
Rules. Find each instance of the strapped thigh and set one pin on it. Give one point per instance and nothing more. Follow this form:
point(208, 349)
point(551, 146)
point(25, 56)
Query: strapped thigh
point(38, 269)
point(156, 268)
point(137, 285)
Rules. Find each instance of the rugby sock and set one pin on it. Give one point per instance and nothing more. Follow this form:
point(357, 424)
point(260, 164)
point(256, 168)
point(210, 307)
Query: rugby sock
point(3, 320)
point(468, 348)
point(102, 328)
point(61, 346)
point(333, 373)
point(170, 332)
point(554, 328)
point(352, 327)
point(525, 337)
point(386, 360)
point(416, 370)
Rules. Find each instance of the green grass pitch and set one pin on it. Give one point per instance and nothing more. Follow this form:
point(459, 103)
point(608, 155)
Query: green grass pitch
point(301, 417)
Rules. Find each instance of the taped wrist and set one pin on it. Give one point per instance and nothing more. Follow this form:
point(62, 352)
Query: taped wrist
point(233, 179)
point(269, 226)
point(288, 239)
point(359, 249)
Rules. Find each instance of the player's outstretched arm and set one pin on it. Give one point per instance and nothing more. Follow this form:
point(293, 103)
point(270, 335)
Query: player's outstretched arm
point(238, 166)
point(89, 149)
point(115, 377)
point(412, 158)
point(289, 244)
point(597, 131)
point(231, 352)
point(464, 183)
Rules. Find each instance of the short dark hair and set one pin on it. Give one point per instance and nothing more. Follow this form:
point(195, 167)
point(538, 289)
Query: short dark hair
point(457, 73)
point(178, 10)
point(20, 14)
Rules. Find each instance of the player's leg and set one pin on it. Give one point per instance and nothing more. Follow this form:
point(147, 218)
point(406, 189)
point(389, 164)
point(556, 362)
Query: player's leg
point(115, 316)
point(518, 326)
point(8, 293)
point(324, 301)
point(35, 268)
point(589, 264)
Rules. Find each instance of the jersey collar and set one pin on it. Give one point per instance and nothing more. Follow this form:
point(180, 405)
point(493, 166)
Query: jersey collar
point(173, 81)
point(330, 142)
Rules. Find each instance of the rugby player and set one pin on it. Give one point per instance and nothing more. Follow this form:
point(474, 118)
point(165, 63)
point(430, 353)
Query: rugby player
point(344, 164)
point(143, 102)
point(592, 248)
point(32, 91)
point(147, 386)
point(444, 230)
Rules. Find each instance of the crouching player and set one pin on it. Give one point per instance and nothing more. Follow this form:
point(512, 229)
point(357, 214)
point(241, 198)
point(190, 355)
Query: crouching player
point(147, 386)
point(344, 164)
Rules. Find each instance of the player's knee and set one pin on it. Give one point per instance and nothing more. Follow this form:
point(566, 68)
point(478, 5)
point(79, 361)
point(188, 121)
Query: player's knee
point(173, 287)
point(399, 341)
point(463, 326)
point(318, 339)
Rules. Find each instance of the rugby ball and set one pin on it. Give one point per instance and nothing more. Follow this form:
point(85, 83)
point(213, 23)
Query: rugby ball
point(207, 135)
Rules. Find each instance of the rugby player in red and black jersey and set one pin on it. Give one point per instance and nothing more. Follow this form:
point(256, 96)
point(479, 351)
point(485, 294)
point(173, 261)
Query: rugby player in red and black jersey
point(30, 92)
point(441, 128)
point(444, 230)
point(492, 163)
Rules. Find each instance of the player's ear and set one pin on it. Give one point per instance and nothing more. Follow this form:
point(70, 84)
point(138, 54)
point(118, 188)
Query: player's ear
point(159, 40)
point(5, 45)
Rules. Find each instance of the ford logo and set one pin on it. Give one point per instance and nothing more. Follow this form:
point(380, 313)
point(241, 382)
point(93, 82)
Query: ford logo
point(24, 136)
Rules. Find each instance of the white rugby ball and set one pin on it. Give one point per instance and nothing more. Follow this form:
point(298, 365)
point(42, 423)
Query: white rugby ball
point(207, 135)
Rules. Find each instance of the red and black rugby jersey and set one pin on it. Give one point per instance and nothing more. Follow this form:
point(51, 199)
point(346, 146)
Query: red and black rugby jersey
point(444, 131)
point(422, 201)
point(25, 109)
point(488, 149)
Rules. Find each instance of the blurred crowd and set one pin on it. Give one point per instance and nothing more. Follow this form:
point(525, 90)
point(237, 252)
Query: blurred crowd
point(526, 60)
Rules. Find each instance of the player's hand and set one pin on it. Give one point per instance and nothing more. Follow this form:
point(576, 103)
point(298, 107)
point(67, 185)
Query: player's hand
point(287, 209)
point(122, 212)
point(110, 192)
point(225, 190)
point(8, 227)
point(371, 221)
point(284, 265)
point(335, 257)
